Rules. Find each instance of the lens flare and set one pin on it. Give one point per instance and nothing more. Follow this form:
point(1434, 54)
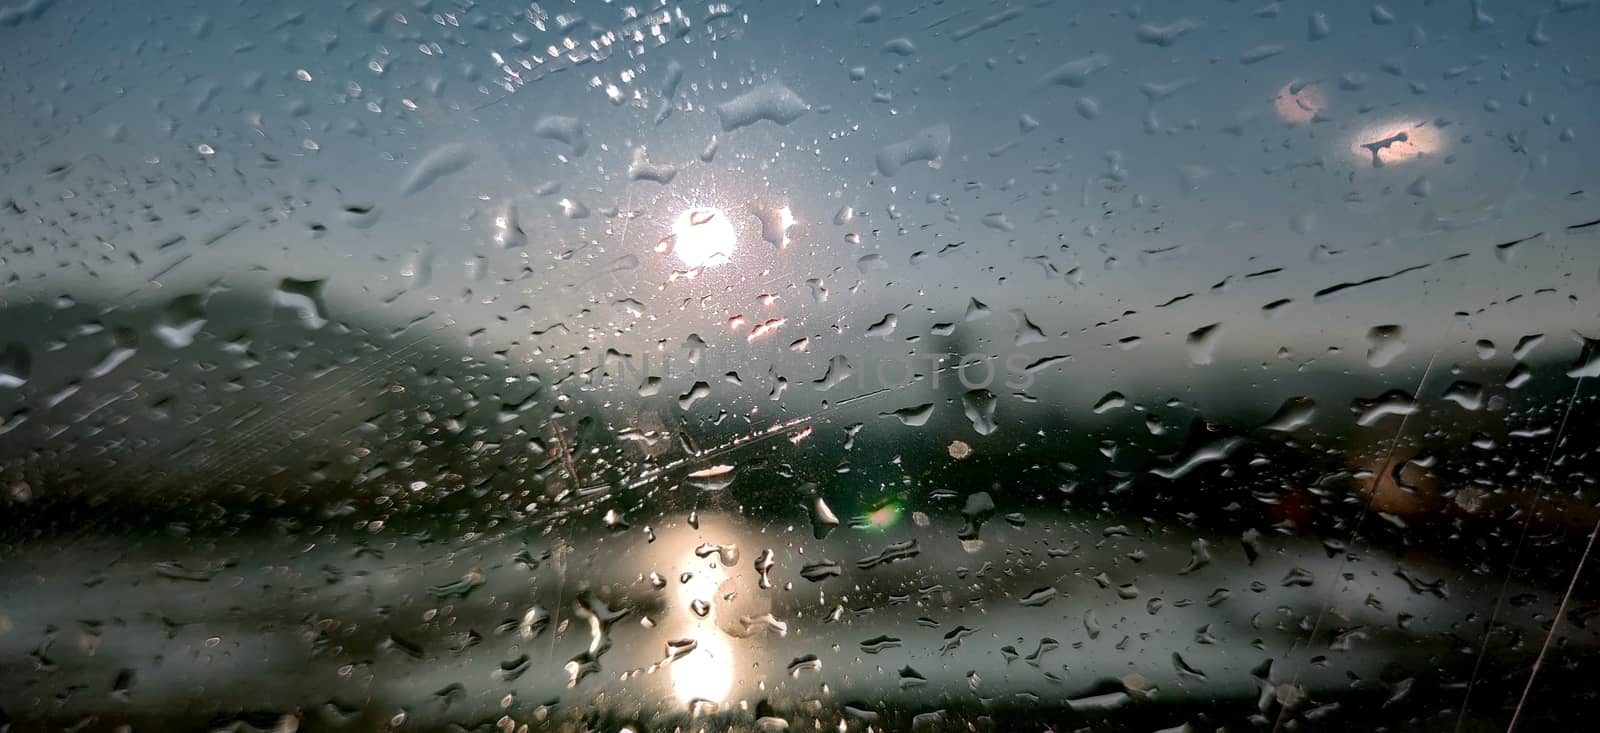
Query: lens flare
point(1396, 142)
point(1299, 102)
point(879, 518)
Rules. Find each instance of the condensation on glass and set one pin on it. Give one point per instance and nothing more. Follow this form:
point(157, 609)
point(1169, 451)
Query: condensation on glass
point(650, 366)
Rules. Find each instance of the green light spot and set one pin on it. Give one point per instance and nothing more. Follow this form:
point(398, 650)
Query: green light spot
point(883, 517)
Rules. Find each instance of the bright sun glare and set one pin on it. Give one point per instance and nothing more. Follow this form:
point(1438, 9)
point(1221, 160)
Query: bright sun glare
point(705, 674)
point(701, 237)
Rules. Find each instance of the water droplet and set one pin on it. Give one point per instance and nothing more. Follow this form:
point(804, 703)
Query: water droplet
point(1038, 596)
point(823, 519)
point(772, 102)
point(914, 416)
point(979, 406)
point(441, 162)
point(304, 297)
point(1384, 344)
point(1202, 343)
point(1110, 401)
point(805, 663)
point(821, 570)
point(728, 555)
point(180, 320)
point(16, 364)
point(929, 144)
point(566, 130)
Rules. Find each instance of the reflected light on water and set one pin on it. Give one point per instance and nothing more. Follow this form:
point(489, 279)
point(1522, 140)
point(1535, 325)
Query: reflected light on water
point(701, 237)
point(1396, 142)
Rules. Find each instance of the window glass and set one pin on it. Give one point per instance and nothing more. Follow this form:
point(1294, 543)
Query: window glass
point(942, 365)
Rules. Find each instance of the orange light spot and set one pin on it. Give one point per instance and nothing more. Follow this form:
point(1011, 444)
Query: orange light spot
point(1299, 102)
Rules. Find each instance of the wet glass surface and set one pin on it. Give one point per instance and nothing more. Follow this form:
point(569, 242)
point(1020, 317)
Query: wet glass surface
point(1033, 365)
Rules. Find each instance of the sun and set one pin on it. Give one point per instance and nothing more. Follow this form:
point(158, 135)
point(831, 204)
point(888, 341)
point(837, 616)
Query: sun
point(701, 237)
